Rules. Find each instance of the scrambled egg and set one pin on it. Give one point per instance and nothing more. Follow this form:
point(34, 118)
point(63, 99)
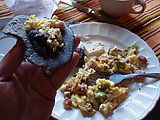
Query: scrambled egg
point(47, 27)
point(89, 92)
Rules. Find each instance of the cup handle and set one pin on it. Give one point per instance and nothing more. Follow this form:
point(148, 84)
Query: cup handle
point(142, 3)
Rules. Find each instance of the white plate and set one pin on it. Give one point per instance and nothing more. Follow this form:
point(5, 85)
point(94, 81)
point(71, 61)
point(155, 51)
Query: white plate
point(142, 97)
point(6, 43)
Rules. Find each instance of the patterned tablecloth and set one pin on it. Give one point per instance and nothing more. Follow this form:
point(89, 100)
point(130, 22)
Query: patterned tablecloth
point(145, 25)
point(4, 11)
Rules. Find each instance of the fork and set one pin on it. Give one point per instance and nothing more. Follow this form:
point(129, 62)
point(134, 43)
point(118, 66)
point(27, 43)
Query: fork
point(117, 78)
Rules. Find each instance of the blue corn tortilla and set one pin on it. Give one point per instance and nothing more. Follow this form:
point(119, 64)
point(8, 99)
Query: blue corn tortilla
point(16, 28)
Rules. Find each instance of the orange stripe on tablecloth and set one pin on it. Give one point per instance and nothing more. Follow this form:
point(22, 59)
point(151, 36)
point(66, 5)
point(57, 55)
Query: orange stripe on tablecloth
point(144, 20)
point(90, 4)
point(2, 2)
point(140, 21)
point(158, 54)
point(72, 15)
point(9, 14)
point(152, 32)
point(3, 7)
point(156, 15)
point(150, 38)
point(154, 41)
point(135, 19)
point(4, 11)
point(155, 47)
point(146, 1)
point(141, 17)
point(155, 33)
point(149, 23)
point(157, 50)
point(147, 27)
point(88, 19)
point(78, 16)
point(81, 18)
point(129, 18)
point(69, 14)
point(143, 33)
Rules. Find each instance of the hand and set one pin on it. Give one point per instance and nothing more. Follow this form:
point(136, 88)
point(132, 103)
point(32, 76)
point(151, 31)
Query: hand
point(26, 91)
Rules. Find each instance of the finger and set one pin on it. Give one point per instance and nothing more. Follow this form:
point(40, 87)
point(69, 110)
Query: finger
point(52, 118)
point(77, 37)
point(61, 73)
point(12, 59)
point(34, 76)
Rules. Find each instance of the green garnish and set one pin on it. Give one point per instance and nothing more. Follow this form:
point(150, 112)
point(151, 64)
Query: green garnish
point(71, 7)
point(120, 63)
point(134, 49)
point(66, 8)
point(99, 96)
point(82, 1)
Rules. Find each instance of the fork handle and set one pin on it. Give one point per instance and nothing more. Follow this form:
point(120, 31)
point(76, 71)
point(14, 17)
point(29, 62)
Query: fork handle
point(103, 17)
point(151, 75)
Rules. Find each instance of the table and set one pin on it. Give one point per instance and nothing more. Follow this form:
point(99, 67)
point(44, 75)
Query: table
point(145, 25)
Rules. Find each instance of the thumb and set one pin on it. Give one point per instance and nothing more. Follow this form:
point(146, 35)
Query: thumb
point(61, 73)
point(12, 59)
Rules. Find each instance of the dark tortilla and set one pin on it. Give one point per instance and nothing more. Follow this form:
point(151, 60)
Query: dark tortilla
point(81, 53)
point(15, 28)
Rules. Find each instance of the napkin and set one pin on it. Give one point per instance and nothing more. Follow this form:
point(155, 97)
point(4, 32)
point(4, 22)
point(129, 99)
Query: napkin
point(41, 8)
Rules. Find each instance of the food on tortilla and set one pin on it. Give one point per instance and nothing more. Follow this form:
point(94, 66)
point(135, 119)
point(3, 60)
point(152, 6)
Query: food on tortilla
point(44, 31)
point(48, 43)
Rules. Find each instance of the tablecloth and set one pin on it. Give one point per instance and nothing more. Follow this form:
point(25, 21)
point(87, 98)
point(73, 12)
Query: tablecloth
point(4, 11)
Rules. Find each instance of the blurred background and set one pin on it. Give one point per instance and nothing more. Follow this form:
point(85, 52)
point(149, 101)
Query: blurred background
point(42, 8)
